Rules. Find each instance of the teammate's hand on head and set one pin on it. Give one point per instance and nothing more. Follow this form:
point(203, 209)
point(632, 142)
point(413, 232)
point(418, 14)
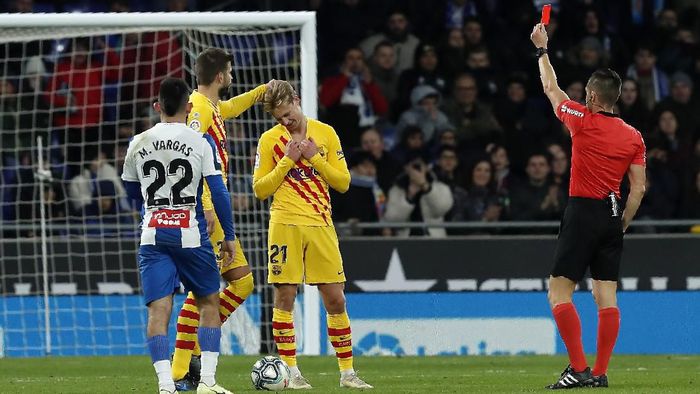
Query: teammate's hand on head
point(308, 148)
point(228, 251)
point(211, 218)
point(293, 150)
point(539, 36)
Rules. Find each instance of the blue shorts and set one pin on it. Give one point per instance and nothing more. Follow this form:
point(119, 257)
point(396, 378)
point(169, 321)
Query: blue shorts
point(163, 267)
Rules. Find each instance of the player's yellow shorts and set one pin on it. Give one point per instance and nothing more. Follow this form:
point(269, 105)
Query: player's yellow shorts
point(217, 238)
point(303, 254)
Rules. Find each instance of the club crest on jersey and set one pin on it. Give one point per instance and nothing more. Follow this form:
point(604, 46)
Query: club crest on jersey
point(301, 174)
point(340, 154)
point(195, 125)
point(170, 218)
point(276, 270)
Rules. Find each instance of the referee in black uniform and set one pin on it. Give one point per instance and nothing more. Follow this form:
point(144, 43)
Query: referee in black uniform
point(604, 148)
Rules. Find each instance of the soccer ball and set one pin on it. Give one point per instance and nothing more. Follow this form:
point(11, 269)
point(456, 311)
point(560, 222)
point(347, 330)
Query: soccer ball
point(270, 373)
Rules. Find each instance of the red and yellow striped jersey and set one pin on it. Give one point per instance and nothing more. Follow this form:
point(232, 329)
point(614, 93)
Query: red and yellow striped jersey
point(207, 117)
point(300, 189)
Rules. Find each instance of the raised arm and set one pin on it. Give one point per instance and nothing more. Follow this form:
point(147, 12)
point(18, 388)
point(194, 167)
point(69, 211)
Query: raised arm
point(237, 105)
point(638, 178)
point(547, 74)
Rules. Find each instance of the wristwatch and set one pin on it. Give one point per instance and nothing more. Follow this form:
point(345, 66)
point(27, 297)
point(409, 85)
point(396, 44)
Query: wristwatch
point(540, 52)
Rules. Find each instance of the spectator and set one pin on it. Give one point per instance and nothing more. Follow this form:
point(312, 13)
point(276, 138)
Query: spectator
point(662, 191)
point(104, 213)
point(424, 72)
point(383, 69)
point(82, 187)
point(681, 103)
point(482, 202)
point(525, 121)
point(631, 109)
point(536, 198)
point(612, 46)
point(452, 53)
point(412, 140)
point(425, 113)
point(33, 107)
point(446, 168)
point(503, 177)
point(576, 91)
point(364, 201)
point(417, 196)
point(690, 209)
point(589, 55)
point(352, 98)
point(676, 142)
point(676, 55)
point(160, 56)
point(653, 83)
point(397, 32)
point(561, 174)
point(480, 66)
point(75, 92)
point(474, 123)
point(387, 167)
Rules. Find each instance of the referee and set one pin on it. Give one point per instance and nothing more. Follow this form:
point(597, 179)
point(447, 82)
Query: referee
point(604, 148)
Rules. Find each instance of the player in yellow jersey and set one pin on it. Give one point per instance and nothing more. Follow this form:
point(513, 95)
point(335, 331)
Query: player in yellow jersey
point(208, 113)
point(296, 163)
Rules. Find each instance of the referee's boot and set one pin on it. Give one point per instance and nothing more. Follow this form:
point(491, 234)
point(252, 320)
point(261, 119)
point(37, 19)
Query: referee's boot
point(600, 381)
point(570, 379)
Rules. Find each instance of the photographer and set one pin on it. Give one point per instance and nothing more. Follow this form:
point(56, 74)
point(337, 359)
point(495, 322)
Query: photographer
point(417, 196)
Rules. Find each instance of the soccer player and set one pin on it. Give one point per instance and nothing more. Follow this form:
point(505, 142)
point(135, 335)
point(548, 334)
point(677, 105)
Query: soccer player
point(604, 148)
point(164, 170)
point(296, 163)
point(213, 72)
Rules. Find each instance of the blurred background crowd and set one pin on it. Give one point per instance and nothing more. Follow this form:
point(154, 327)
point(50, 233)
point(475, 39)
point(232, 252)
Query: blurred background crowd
point(438, 105)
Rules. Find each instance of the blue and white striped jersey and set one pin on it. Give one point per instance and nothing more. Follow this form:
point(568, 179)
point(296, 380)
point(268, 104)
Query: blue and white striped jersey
point(170, 161)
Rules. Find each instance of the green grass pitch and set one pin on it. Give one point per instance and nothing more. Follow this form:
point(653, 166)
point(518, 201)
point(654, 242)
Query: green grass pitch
point(472, 374)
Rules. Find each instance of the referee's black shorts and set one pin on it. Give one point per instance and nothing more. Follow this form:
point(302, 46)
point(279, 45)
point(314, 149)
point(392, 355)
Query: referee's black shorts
point(589, 236)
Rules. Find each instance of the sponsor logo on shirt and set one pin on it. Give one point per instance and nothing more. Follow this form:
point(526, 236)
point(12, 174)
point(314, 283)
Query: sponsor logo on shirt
point(257, 159)
point(301, 174)
point(571, 111)
point(170, 218)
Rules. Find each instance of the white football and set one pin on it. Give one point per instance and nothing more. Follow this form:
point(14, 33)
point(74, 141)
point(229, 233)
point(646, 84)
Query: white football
point(270, 373)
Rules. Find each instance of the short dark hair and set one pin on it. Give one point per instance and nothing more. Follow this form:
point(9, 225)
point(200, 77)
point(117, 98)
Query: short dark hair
point(606, 83)
point(381, 44)
point(360, 157)
point(173, 96)
point(211, 62)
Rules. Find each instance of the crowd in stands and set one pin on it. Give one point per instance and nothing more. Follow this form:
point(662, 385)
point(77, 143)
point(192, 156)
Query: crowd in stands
point(438, 105)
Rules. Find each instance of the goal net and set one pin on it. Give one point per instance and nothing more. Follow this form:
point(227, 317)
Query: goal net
point(74, 89)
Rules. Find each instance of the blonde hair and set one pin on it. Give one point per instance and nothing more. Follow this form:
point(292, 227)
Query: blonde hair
point(280, 93)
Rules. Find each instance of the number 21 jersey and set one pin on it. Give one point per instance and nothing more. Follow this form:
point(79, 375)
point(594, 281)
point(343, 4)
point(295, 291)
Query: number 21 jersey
point(170, 161)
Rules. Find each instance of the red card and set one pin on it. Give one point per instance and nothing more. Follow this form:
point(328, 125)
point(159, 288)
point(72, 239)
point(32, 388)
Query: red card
point(545, 14)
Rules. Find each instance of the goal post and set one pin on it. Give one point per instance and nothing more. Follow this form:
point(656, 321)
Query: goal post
point(88, 277)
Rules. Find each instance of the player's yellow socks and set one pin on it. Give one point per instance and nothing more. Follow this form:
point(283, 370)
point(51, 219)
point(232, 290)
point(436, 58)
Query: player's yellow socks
point(234, 295)
point(186, 338)
point(283, 332)
point(341, 338)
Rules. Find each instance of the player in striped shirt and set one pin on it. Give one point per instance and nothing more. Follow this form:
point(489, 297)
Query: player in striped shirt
point(297, 162)
point(208, 113)
point(164, 170)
